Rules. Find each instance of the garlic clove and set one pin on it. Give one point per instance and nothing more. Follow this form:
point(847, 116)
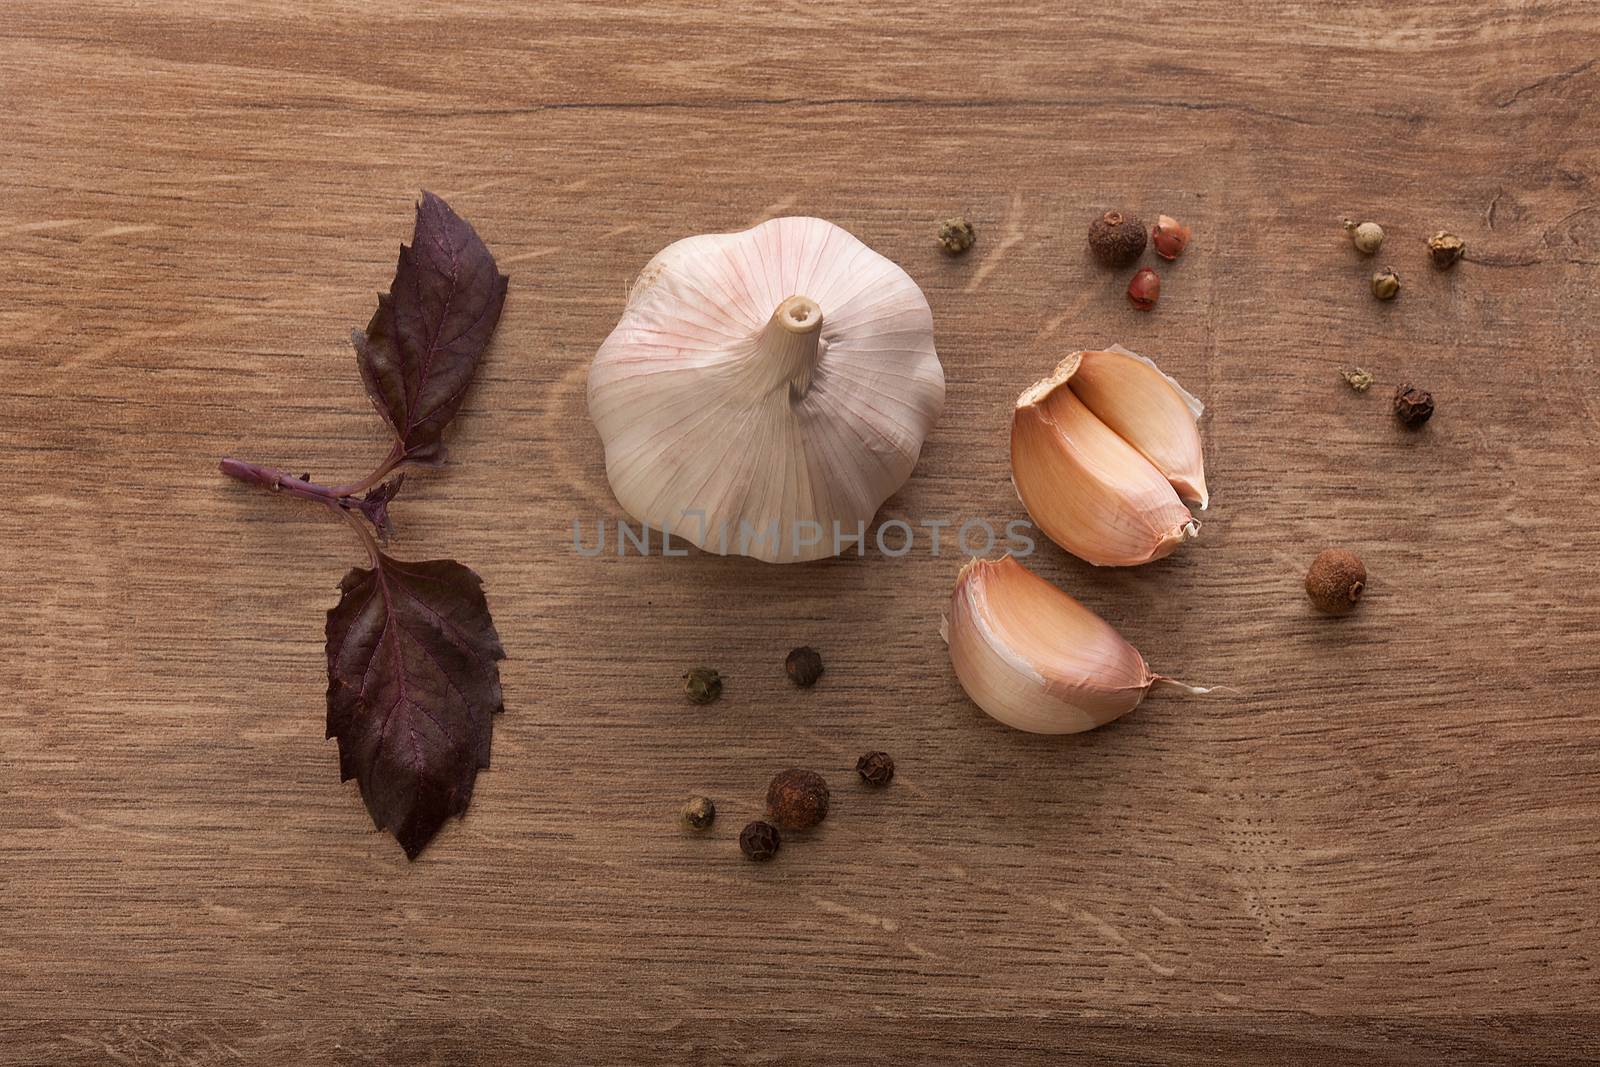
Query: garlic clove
point(1034, 658)
point(1149, 410)
point(1090, 491)
point(765, 389)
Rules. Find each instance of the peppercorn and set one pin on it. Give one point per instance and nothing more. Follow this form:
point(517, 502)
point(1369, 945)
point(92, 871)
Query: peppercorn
point(956, 235)
point(1445, 249)
point(1366, 236)
point(797, 799)
point(1145, 289)
point(876, 768)
point(1169, 237)
point(1357, 379)
point(1335, 581)
point(759, 840)
point(1385, 284)
point(699, 813)
point(702, 685)
point(1116, 239)
point(804, 667)
point(1413, 406)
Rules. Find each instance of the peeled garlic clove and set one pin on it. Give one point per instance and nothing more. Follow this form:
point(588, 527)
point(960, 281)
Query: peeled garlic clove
point(1036, 659)
point(766, 391)
point(1090, 491)
point(1147, 409)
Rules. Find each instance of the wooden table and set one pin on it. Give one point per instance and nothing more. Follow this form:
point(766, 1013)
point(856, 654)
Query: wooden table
point(1383, 851)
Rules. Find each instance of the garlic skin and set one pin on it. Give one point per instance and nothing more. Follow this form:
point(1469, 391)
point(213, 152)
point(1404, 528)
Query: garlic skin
point(766, 380)
point(1034, 658)
point(1080, 458)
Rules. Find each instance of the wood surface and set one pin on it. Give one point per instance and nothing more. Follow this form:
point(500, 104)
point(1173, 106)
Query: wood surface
point(1382, 851)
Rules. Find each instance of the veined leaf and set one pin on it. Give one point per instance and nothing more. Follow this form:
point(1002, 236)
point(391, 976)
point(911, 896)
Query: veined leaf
point(413, 684)
point(420, 350)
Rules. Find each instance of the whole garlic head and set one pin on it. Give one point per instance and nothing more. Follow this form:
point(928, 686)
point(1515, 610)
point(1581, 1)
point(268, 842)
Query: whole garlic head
point(775, 381)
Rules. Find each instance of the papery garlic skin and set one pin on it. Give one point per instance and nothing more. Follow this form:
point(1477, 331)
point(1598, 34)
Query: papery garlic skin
point(1090, 491)
point(1034, 658)
point(1147, 409)
point(724, 414)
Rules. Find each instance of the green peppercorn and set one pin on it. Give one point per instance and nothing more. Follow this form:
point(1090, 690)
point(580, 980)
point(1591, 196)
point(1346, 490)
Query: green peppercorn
point(699, 813)
point(702, 685)
point(1386, 284)
point(956, 235)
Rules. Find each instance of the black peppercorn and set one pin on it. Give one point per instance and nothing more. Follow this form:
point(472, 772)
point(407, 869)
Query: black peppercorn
point(797, 799)
point(759, 840)
point(876, 768)
point(804, 667)
point(699, 813)
point(702, 685)
point(1413, 406)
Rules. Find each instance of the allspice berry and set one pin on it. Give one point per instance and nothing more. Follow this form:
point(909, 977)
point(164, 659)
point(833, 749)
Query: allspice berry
point(702, 685)
point(1413, 406)
point(1386, 284)
point(956, 236)
point(759, 840)
point(699, 813)
point(1335, 581)
point(797, 799)
point(876, 768)
point(804, 667)
point(1117, 238)
point(1445, 249)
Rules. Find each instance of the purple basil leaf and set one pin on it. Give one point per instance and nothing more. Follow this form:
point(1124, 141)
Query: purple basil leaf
point(413, 685)
point(420, 350)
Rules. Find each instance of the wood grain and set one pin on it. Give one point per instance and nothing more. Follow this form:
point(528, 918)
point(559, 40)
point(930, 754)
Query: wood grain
point(1383, 851)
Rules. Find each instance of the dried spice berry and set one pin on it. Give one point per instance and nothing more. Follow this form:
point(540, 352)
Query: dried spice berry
point(702, 685)
point(1413, 406)
point(1366, 236)
point(956, 235)
point(699, 813)
point(1116, 238)
point(759, 840)
point(876, 768)
point(1446, 249)
point(1145, 289)
point(804, 667)
point(797, 799)
point(1336, 581)
point(1169, 237)
point(1357, 379)
point(1386, 284)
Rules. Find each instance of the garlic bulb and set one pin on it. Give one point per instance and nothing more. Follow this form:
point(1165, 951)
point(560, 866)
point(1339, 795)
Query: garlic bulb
point(1036, 659)
point(766, 391)
point(1101, 451)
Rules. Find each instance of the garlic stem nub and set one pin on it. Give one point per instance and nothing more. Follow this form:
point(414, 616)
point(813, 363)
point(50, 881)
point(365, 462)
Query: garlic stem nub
point(791, 340)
